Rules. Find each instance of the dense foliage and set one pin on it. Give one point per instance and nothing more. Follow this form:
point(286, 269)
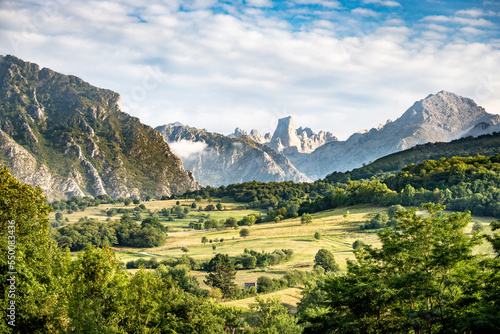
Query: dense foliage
point(251, 258)
point(221, 274)
point(391, 164)
point(424, 278)
point(123, 232)
point(461, 183)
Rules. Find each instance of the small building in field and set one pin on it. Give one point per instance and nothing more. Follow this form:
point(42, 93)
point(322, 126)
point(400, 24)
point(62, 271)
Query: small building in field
point(249, 284)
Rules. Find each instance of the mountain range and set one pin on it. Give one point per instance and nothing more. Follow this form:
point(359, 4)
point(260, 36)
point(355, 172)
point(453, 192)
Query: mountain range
point(437, 118)
point(216, 159)
point(71, 139)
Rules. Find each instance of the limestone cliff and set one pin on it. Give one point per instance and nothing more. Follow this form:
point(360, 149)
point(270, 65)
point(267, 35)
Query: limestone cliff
point(72, 139)
point(219, 160)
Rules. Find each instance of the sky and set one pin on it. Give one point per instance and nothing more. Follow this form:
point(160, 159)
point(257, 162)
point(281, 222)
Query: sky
point(334, 65)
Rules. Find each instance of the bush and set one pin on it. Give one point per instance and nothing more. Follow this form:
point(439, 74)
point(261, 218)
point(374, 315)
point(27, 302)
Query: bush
point(264, 284)
point(245, 232)
point(306, 218)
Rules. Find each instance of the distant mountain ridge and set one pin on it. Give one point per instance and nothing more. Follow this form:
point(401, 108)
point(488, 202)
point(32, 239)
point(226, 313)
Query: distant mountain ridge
point(217, 160)
point(441, 117)
point(487, 145)
point(71, 138)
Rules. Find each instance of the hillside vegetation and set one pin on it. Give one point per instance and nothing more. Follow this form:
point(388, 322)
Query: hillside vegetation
point(391, 164)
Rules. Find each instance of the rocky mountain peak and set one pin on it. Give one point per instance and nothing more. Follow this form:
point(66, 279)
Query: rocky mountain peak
point(447, 115)
point(440, 117)
point(285, 135)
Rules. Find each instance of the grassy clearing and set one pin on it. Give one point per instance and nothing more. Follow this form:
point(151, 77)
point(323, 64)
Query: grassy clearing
point(338, 234)
point(289, 297)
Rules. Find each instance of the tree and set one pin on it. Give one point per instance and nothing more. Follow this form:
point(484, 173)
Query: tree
point(393, 209)
point(204, 240)
point(423, 278)
point(59, 216)
point(317, 235)
point(185, 249)
point(478, 227)
point(221, 274)
point(137, 216)
point(219, 206)
point(41, 281)
point(357, 244)
point(274, 317)
point(179, 211)
point(96, 279)
point(249, 220)
point(231, 222)
point(264, 284)
point(325, 259)
point(244, 232)
point(306, 218)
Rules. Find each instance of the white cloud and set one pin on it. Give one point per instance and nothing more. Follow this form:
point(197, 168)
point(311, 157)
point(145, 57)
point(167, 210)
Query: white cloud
point(259, 3)
point(474, 12)
point(186, 149)
point(365, 12)
point(325, 3)
point(459, 20)
point(247, 69)
point(386, 3)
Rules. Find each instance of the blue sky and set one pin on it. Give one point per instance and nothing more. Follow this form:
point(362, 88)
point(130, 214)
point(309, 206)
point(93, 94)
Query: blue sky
point(339, 66)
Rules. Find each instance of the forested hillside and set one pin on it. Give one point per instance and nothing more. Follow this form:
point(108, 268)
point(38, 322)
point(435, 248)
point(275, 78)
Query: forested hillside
point(460, 183)
point(486, 145)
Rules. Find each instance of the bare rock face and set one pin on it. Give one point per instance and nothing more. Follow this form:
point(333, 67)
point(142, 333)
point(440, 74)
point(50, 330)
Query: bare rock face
point(288, 140)
point(437, 118)
point(72, 139)
point(261, 139)
point(26, 169)
point(219, 160)
point(285, 135)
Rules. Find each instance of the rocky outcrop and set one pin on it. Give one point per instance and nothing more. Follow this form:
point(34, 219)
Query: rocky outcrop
point(285, 136)
point(72, 139)
point(287, 139)
point(437, 118)
point(219, 160)
point(26, 169)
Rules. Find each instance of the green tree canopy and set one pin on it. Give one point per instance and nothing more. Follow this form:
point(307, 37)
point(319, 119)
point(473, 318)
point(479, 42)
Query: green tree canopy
point(244, 232)
point(221, 274)
point(325, 259)
point(306, 218)
point(416, 282)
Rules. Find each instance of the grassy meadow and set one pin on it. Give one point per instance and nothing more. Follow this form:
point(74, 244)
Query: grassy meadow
point(338, 230)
